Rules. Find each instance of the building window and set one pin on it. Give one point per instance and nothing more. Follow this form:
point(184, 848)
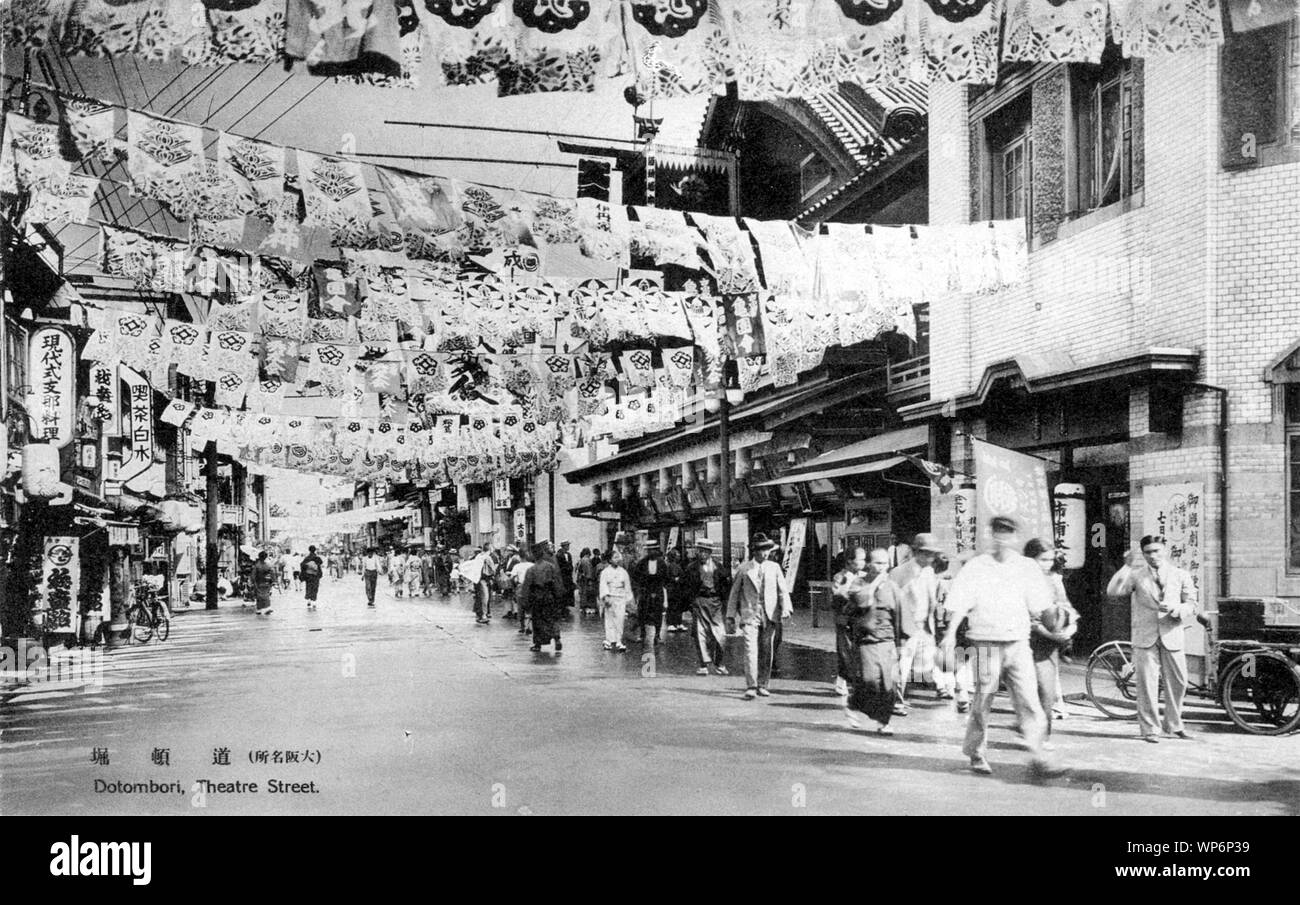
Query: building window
point(814, 175)
point(15, 361)
point(1260, 94)
point(1103, 100)
point(1009, 149)
point(1293, 476)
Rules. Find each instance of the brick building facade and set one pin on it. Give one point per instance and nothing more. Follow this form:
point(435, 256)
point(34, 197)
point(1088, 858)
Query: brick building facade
point(1164, 263)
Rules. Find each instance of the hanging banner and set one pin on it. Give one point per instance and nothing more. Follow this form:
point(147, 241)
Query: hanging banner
point(794, 544)
point(1014, 485)
point(60, 583)
point(1176, 512)
point(137, 429)
point(1069, 522)
point(52, 368)
point(106, 399)
point(501, 494)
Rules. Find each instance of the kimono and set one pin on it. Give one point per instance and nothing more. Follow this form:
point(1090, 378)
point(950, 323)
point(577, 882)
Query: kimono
point(542, 597)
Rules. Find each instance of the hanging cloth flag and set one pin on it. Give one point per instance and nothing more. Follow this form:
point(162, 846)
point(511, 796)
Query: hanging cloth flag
point(163, 159)
point(1051, 31)
point(603, 231)
point(31, 156)
point(1146, 28)
point(230, 389)
point(91, 127)
point(257, 170)
point(283, 313)
point(183, 344)
point(959, 40)
point(55, 202)
point(638, 367)
point(285, 235)
point(786, 267)
point(731, 252)
point(336, 291)
point(334, 191)
point(227, 233)
point(279, 358)
point(743, 321)
point(679, 364)
point(664, 237)
point(176, 412)
point(232, 350)
point(423, 206)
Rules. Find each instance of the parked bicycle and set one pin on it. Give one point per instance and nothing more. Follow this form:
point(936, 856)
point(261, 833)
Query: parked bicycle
point(148, 615)
point(1257, 683)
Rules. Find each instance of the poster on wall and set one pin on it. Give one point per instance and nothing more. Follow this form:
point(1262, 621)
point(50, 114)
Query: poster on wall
point(952, 519)
point(60, 583)
point(1177, 512)
point(1011, 484)
point(795, 540)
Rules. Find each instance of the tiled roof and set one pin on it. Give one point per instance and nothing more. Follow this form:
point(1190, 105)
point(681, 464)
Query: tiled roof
point(857, 128)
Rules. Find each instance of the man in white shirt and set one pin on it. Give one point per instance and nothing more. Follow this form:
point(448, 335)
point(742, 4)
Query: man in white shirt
point(759, 601)
point(370, 566)
point(998, 593)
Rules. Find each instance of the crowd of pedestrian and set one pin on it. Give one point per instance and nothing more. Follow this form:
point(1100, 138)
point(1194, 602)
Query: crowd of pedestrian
point(902, 614)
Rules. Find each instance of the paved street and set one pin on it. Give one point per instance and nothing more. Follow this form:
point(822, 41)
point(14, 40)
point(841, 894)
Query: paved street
point(415, 709)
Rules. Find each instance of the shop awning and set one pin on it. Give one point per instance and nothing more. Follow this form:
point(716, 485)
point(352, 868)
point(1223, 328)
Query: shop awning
point(842, 471)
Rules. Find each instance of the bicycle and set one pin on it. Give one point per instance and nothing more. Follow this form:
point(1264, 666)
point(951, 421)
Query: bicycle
point(148, 615)
point(1256, 683)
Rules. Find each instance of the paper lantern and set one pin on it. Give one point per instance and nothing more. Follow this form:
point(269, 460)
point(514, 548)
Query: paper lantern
point(41, 474)
point(1069, 519)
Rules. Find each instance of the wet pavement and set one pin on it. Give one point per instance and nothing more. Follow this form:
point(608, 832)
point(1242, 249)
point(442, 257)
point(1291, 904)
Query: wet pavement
point(413, 708)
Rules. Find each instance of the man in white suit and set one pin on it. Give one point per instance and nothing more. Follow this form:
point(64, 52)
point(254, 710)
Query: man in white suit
point(1163, 605)
point(759, 600)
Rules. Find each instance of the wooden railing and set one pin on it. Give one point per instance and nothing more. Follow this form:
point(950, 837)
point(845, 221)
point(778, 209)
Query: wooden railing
point(910, 377)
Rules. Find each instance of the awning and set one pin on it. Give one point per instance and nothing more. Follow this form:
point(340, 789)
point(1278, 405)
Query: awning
point(842, 471)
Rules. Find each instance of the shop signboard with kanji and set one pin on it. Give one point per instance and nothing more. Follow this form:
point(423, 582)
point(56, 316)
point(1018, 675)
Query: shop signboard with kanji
point(137, 427)
point(52, 370)
point(1014, 485)
point(60, 583)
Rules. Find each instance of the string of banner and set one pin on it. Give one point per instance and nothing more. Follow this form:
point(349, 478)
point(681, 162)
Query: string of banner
point(481, 320)
point(782, 48)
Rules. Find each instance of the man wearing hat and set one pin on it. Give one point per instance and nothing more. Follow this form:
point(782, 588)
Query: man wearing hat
point(759, 600)
point(704, 583)
point(564, 559)
point(651, 578)
point(1162, 606)
point(919, 609)
point(541, 596)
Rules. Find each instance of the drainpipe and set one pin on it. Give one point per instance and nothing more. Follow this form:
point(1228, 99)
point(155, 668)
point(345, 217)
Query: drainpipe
point(1224, 547)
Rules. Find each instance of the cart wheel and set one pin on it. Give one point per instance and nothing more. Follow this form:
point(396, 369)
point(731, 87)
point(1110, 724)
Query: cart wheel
point(1261, 693)
point(1110, 682)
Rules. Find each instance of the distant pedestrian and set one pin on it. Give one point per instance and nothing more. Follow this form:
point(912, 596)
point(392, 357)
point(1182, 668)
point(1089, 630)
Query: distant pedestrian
point(705, 583)
point(1000, 592)
point(1050, 632)
point(311, 570)
point(919, 599)
point(564, 560)
point(587, 590)
point(874, 615)
point(759, 601)
point(263, 581)
point(518, 572)
point(650, 580)
point(846, 653)
point(677, 603)
point(614, 594)
point(542, 597)
point(370, 567)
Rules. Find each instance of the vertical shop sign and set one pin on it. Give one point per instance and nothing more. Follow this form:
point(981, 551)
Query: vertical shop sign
point(60, 583)
point(52, 368)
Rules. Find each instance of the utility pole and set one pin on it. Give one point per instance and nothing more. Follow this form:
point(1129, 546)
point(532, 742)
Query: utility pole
point(212, 513)
point(724, 492)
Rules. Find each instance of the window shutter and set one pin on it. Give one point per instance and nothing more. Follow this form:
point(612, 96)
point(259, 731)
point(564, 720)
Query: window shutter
point(1248, 100)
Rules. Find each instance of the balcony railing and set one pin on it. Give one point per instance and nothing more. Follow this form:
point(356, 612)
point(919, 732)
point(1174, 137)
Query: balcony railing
point(909, 379)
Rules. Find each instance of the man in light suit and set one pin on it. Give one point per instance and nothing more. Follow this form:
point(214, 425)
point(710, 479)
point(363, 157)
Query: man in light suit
point(1163, 605)
point(759, 600)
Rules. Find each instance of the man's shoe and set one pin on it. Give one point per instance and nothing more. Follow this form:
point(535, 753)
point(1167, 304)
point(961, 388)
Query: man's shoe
point(559, 645)
point(841, 687)
point(721, 670)
point(1046, 768)
point(884, 729)
point(1151, 739)
point(981, 766)
point(764, 693)
point(963, 706)
point(606, 646)
point(620, 648)
point(1183, 734)
point(901, 710)
point(702, 671)
point(751, 693)
point(535, 647)
point(852, 719)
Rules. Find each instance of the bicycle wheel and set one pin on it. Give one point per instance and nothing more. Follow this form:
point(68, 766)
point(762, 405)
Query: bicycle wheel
point(163, 624)
point(141, 627)
point(1110, 681)
point(1261, 694)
